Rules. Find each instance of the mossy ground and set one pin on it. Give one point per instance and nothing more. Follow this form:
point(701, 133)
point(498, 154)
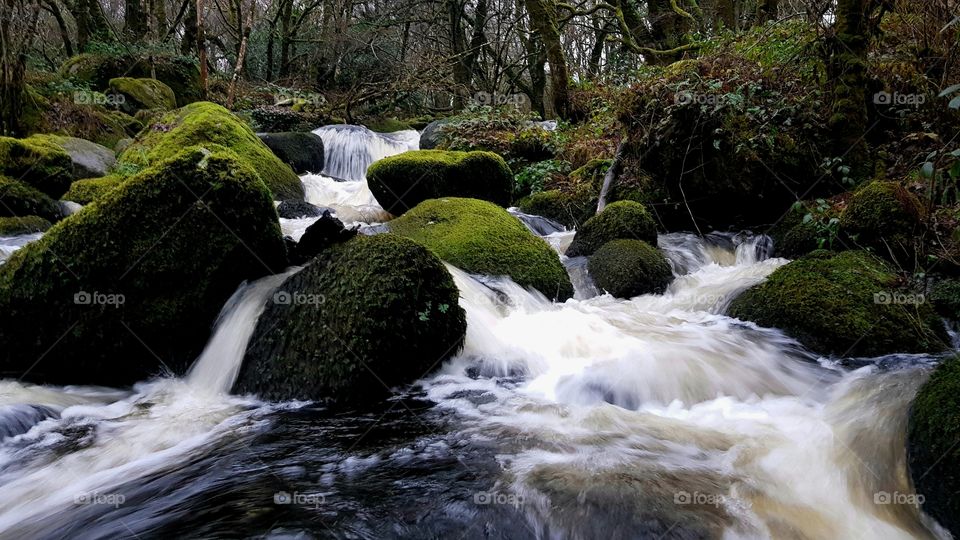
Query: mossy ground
point(89, 189)
point(403, 181)
point(628, 268)
point(619, 220)
point(479, 237)
point(843, 304)
point(203, 123)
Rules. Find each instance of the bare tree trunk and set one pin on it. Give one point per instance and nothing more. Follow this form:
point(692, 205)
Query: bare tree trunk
point(241, 57)
point(189, 43)
point(202, 50)
point(54, 10)
point(543, 20)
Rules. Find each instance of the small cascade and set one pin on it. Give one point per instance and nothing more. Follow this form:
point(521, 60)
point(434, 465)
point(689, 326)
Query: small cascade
point(349, 150)
point(538, 225)
point(218, 366)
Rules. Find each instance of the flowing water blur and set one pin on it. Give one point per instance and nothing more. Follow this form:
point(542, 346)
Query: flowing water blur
point(655, 417)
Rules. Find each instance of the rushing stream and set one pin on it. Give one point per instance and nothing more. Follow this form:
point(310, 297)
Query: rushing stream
point(656, 417)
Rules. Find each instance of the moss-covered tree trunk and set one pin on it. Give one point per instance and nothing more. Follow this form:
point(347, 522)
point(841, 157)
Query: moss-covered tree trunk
point(543, 21)
point(91, 23)
point(134, 21)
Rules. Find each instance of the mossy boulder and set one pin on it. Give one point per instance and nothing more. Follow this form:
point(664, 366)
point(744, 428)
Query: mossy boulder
point(628, 268)
point(208, 123)
point(38, 162)
point(886, 218)
point(933, 444)
point(12, 226)
point(142, 94)
point(89, 158)
point(569, 209)
point(405, 180)
point(847, 304)
point(180, 73)
point(365, 316)
point(619, 220)
point(482, 238)
point(301, 150)
point(19, 199)
point(134, 282)
point(433, 135)
point(89, 189)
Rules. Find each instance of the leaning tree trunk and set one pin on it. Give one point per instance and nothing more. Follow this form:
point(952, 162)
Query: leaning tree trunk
point(543, 21)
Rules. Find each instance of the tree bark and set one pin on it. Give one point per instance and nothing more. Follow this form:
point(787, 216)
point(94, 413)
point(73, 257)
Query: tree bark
point(202, 50)
point(134, 21)
point(543, 21)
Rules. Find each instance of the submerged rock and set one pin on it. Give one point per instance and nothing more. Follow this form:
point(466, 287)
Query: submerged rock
point(319, 236)
point(847, 304)
point(363, 317)
point(482, 238)
point(628, 268)
point(302, 151)
point(619, 220)
point(19, 199)
point(405, 180)
point(208, 123)
point(130, 286)
point(293, 209)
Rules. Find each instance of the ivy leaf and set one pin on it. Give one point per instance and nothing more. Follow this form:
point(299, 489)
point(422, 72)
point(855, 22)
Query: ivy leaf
point(927, 170)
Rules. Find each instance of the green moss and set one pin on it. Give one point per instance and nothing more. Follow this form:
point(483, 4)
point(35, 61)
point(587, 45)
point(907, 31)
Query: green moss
point(945, 296)
point(884, 217)
point(12, 226)
point(180, 73)
point(202, 123)
point(174, 258)
point(89, 189)
point(37, 162)
point(568, 209)
point(403, 181)
point(386, 314)
point(842, 304)
point(387, 125)
point(141, 94)
point(479, 237)
point(933, 443)
point(628, 268)
point(19, 199)
point(622, 219)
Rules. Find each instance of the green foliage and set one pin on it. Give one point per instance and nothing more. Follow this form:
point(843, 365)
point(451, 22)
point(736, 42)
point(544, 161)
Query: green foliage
point(619, 220)
point(506, 131)
point(843, 304)
point(568, 209)
point(387, 314)
point(19, 199)
point(627, 268)
point(12, 226)
point(945, 296)
point(403, 181)
point(482, 238)
point(90, 189)
point(533, 177)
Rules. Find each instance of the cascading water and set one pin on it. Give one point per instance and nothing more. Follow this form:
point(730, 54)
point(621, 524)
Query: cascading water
point(349, 150)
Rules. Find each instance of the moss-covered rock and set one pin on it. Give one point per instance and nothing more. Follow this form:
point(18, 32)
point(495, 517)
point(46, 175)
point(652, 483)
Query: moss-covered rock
point(38, 162)
point(89, 158)
point(933, 444)
point(482, 238)
point(203, 123)
point(12, 226)
point(19, 199)
point(134, 282)
point(569, 209)
point(403, 181)
point(142, 94)
point(847, 304)
point(622, 219)
point(628, 268)
point(179, 73)
point(886, 218)
point(303, 151)
point(89, 189)
point(363, 317)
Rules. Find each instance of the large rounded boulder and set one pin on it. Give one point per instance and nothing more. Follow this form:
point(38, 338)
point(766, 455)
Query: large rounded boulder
point(38, 162)
point(886, 218)
point(363, 317)
point(301, 150)
point(847, 304)
point(135, 94)
point(90, 189)
point(208, 123)
point(130, 286)
point(405, 180)
point(628, 268)
point(482, 238)
point(933, 444)
point(619, 220)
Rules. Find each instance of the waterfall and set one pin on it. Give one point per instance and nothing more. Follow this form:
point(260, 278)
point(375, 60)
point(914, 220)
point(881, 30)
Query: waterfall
point(349, 150)
point(218, 366)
